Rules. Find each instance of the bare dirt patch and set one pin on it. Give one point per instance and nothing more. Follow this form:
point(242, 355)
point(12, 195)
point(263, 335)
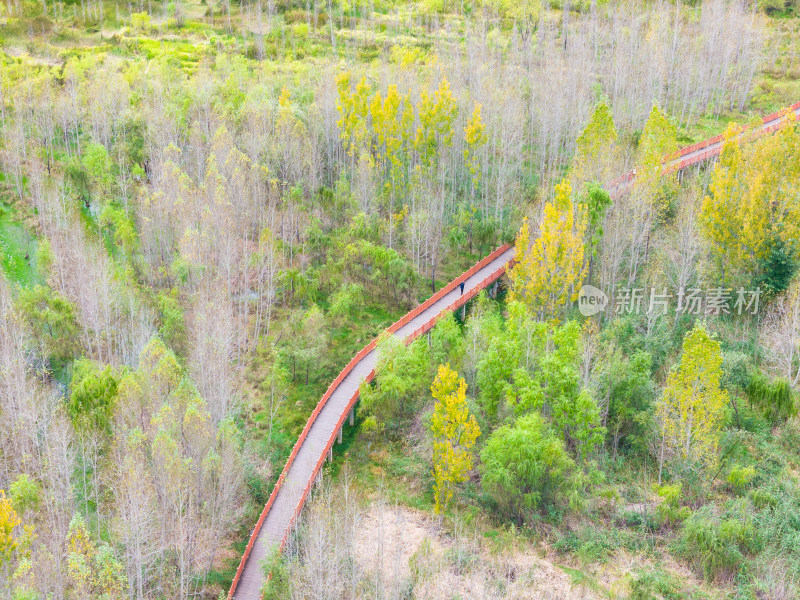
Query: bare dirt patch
point(398, 548)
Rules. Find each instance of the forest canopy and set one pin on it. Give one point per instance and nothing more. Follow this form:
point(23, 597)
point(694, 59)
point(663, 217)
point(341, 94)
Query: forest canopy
point(208, 207)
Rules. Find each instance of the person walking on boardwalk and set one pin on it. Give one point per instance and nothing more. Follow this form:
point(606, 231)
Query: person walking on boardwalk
point(462, 288)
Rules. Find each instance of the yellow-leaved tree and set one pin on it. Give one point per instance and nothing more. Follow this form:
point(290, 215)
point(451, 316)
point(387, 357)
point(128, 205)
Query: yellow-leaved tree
point(454, 432)
point(658, 140)
point(353, 105)
point(548, 274)
point(436, 113)
point(94, 572)
point(752, 213)
point(596, 152)
point(9, 520)
point(475, 139)
point(691, 409)
point(648, 199)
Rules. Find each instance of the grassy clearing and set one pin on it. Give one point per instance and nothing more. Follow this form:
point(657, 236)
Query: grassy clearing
point(18, 246)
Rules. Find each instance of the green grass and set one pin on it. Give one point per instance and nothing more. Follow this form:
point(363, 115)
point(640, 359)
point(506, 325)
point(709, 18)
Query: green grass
point(18, 250)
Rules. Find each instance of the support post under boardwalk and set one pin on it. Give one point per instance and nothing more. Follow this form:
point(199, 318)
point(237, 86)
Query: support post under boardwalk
point(340, 434)
point(352, 416)
point(330, 454)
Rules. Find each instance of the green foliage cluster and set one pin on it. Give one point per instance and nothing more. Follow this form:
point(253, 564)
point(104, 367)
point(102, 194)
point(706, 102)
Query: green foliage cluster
point(51, 320)
point(775, 398)
point(403, 378)
point(526, 467)
point(717, 545)
point(93, 392)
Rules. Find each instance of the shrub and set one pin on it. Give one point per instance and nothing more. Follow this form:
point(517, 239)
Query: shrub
point(276, 584)
point(590, 545)
point(773, 398)
point(670, 510)
point(741, 477)
point(654, 584)
point(716, 547)
point(140, 22)
point(525, 467)
point(762, 499)
point(25, 494)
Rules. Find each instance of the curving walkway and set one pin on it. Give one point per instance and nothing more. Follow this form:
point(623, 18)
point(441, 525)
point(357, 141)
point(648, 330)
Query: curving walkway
point(324, 426)
point(316, 441)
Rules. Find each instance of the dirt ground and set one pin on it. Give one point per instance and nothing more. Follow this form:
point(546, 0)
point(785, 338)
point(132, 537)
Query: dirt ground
point(403, 549)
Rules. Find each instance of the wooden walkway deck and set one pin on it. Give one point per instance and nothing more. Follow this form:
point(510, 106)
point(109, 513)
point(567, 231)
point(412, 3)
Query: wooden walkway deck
point(317, 439)
point(302, 470)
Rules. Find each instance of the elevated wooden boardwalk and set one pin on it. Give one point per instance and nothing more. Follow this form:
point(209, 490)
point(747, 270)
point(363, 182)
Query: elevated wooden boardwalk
point(324, 426)
point(316, 441)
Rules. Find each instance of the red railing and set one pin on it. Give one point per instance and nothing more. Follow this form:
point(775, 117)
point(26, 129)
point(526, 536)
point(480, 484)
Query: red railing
point(394, 327)
point(460, 301)
point(774, 121)
point(779, 122)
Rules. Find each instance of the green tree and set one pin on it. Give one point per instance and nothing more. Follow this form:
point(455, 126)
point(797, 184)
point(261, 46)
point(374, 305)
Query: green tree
point(575, 412)
point(98, 167)
point(314, 334)
point(401, 377)
point(25, 494)
point(345, 301)
point(92, 398)
point(495, 369)
point(596, 201)
point(526, 467)
point(454, 432)
point(627, 392)
point(596, 150)
point(447, 341)
point(172, 325)
point(775, 398)
point(273, 385)
point(93, 392)
point(51, 320)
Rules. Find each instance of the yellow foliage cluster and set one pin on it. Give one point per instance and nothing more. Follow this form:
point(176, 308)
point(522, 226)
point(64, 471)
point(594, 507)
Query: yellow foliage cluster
point(596, 151)
point(9, 521)
point(475, 138)
point(384, 126)
point(454, 432)
point(691, 410)
point(94, 571)
point(547, 274)
point(754, 201)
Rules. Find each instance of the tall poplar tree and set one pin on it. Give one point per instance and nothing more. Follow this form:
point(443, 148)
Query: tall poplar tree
point(547, 274)
point(454, 432)
point(691, 410)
